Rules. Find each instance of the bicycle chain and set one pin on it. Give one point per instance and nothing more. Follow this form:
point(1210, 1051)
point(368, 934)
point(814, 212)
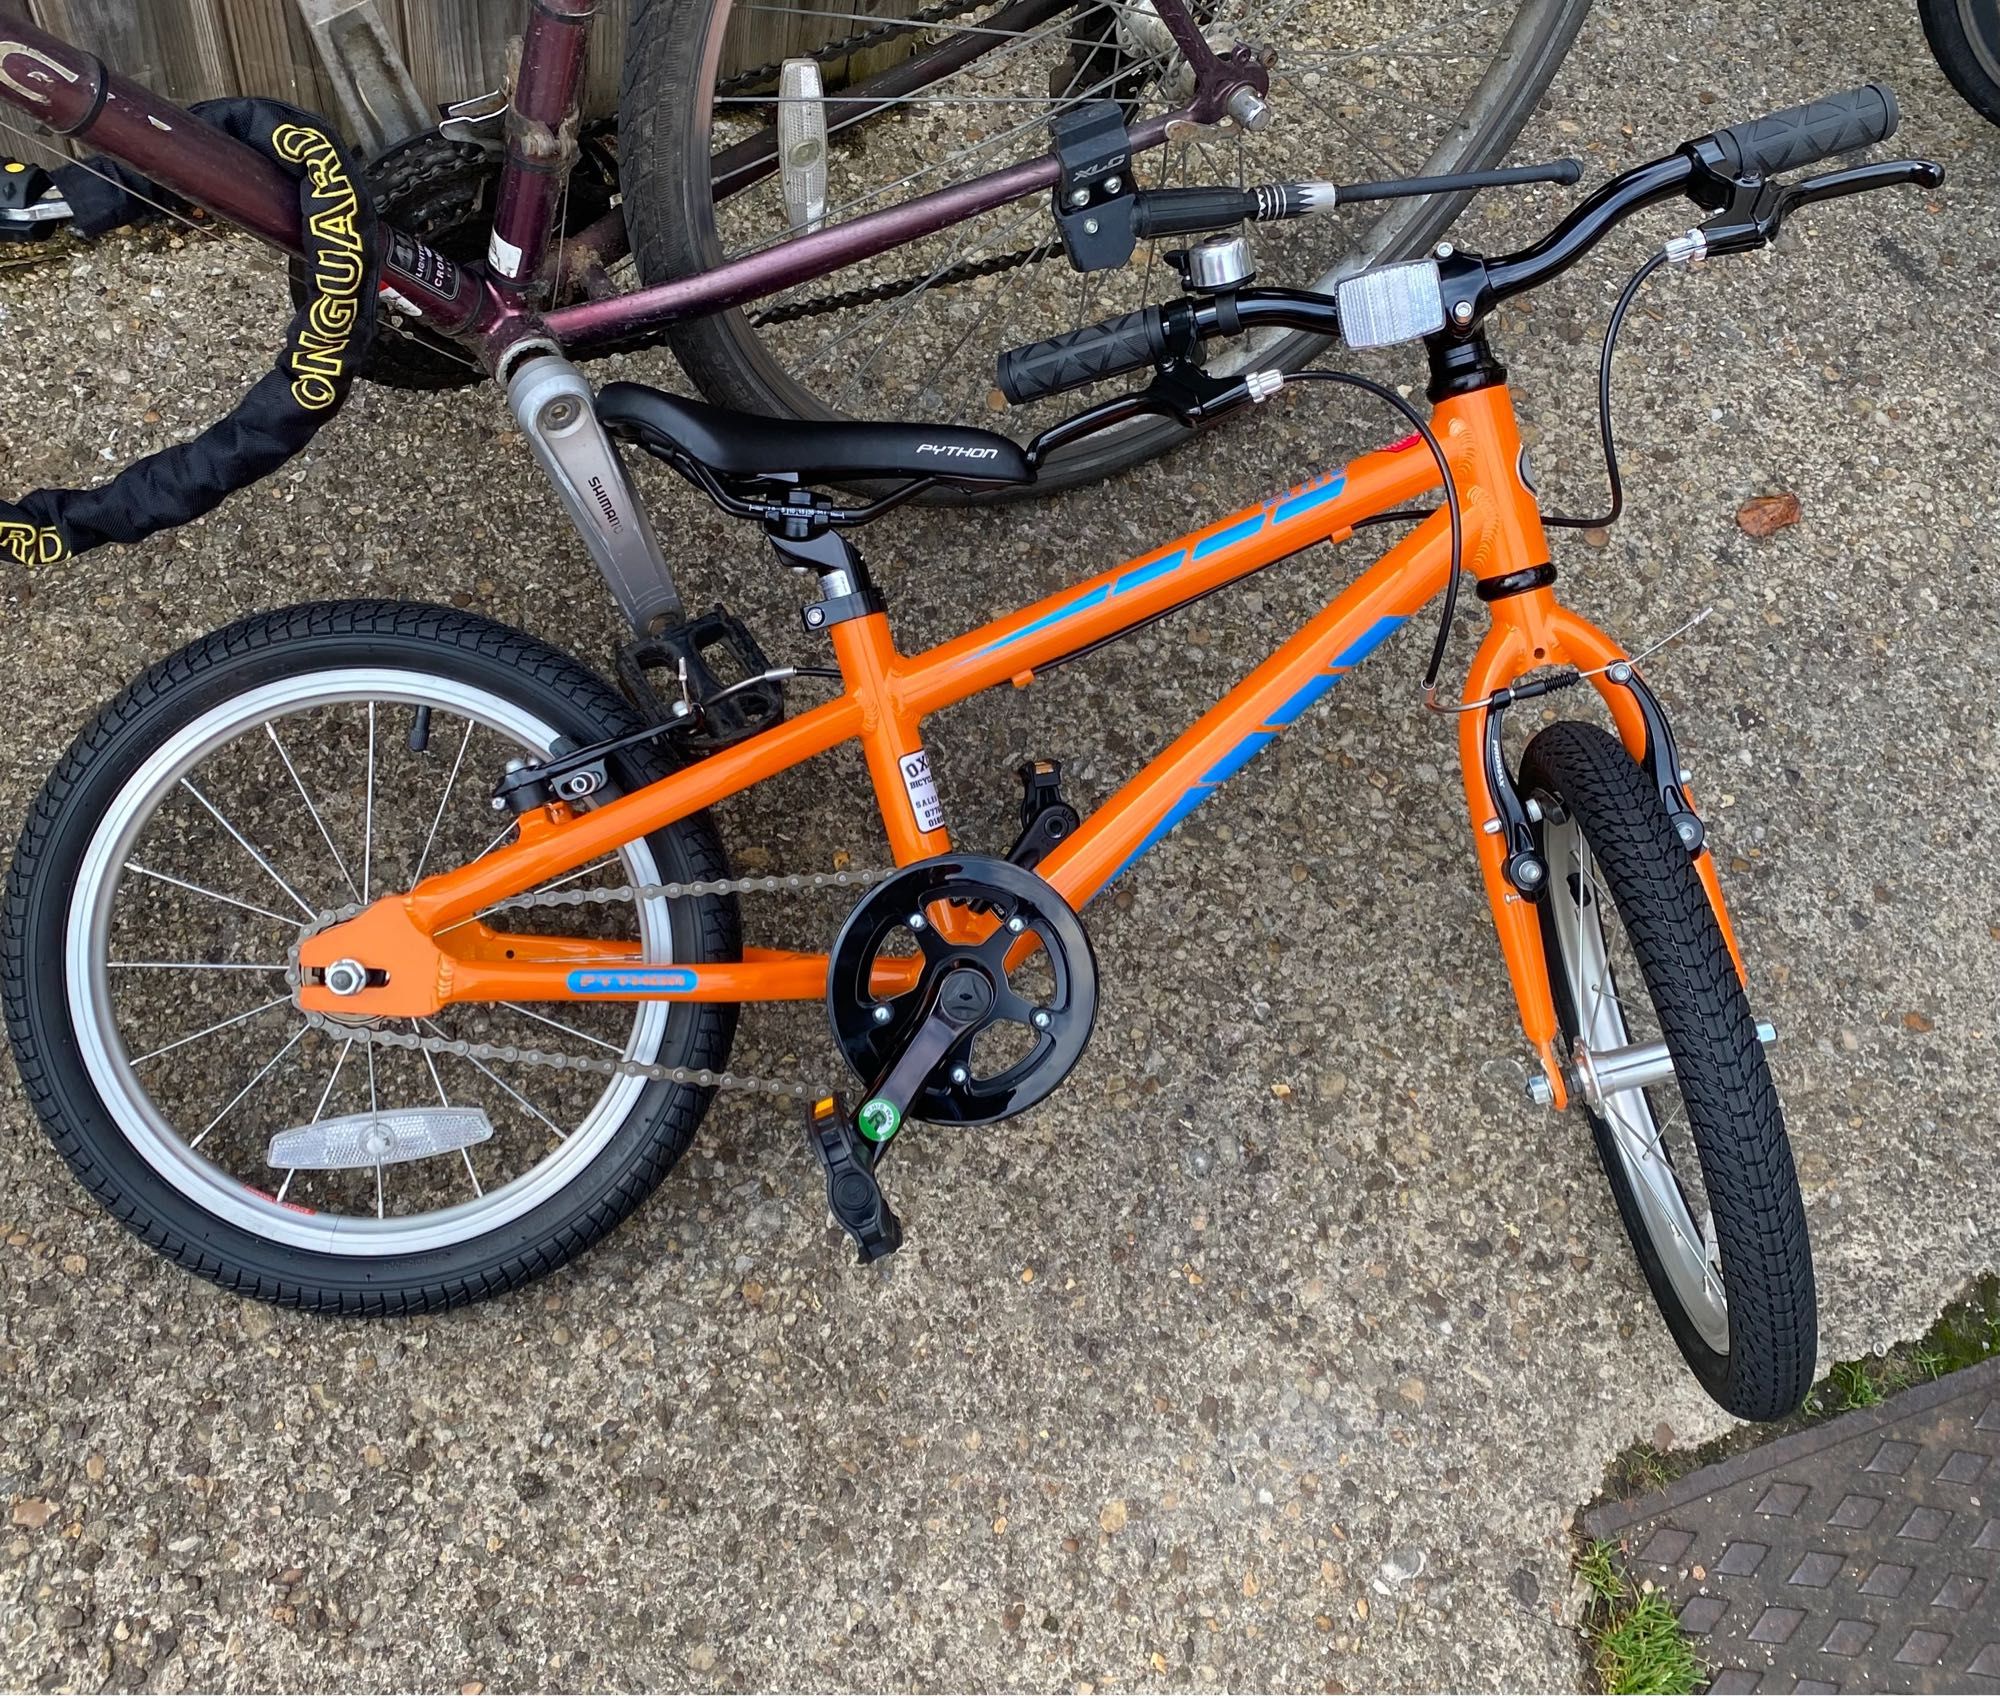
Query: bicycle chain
point(373, 1036)
point(875, 293)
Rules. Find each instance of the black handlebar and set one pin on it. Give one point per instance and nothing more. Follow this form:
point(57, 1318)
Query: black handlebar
point(1804, 135)
point(1710, 169)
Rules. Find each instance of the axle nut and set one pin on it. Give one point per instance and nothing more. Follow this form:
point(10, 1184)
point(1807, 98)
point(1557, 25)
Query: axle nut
point(347, 977)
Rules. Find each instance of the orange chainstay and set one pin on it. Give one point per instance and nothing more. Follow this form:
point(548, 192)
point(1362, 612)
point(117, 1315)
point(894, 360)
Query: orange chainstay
point(435, 951)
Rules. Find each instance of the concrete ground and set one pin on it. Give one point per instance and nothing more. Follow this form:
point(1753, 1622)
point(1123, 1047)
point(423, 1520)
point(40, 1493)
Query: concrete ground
point(1277, 1349)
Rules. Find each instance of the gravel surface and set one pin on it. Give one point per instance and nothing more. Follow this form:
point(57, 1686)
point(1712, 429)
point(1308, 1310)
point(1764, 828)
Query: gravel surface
point(1275, 1349)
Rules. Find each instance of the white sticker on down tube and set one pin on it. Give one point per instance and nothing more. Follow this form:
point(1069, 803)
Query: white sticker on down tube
point(922, 788)
point(503, 255)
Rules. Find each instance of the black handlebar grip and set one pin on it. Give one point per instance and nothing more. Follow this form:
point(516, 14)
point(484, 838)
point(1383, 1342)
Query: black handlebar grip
point(1190, 211)
point(1805, 134)
point(1068, 362)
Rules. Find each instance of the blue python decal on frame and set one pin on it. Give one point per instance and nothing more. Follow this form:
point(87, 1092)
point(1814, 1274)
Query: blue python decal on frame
point(635, 980)
point(1280, 509)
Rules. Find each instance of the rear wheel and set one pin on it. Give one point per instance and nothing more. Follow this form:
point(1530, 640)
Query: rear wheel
point(220, 809)
point(1698, 1160)
point(1382, 90)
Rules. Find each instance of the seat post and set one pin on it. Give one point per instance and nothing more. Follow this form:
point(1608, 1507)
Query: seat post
point(805, 540)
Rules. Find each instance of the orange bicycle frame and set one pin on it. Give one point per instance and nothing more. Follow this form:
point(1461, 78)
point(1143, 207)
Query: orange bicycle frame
point(434, 949)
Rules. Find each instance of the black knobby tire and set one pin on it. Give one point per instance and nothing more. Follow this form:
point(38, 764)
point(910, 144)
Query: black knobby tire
point(1965, 37)
point(442, 643)
point(1580, 773)
point(665, 174)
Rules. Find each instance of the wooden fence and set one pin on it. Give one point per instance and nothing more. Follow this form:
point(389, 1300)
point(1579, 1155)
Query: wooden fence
point(198, 49)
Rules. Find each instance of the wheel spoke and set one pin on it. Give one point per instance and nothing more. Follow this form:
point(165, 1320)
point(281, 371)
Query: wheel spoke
point(561, 1025)
point(444, 800)
point(211, 894)
point(479, 1065)
point(264, 1072)
point(444, 1100)
point(326, 835)
point(368, 814)
point(211, 1030)
point(249, 848)
point(195, 965)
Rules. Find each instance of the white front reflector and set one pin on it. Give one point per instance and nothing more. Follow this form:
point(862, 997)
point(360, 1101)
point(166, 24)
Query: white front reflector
point(802, 143)
point(387, 1138)
point(1397, 303)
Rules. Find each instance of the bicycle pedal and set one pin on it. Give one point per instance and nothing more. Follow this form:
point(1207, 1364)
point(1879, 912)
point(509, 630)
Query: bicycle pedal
point(723, 687)
point(852, 1194)
point(1046, 818)
point(30, 209)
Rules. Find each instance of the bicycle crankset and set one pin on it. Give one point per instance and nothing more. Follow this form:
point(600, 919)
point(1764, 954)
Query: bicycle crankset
point(998, 1007)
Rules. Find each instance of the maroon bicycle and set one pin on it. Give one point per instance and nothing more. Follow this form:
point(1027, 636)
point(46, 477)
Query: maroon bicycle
point(855, 229)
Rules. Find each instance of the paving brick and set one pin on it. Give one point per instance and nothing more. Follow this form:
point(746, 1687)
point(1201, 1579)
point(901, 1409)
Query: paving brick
point(1862, 1554)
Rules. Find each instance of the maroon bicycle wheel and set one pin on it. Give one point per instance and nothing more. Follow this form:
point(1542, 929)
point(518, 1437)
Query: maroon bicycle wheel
point(1390, 89)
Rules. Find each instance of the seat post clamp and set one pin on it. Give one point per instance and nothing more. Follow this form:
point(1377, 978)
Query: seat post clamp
point(830, 610)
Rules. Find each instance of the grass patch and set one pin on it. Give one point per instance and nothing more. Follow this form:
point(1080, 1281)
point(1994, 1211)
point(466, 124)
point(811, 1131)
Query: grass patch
point(1637, 1647)
point(1967, 1333)
point(1851, 1384)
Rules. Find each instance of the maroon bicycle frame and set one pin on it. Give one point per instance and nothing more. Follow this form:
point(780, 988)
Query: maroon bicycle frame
point(491, 308)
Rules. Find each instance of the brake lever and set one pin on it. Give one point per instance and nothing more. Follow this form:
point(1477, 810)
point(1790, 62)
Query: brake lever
point(1757, 207)
point(1837, 185)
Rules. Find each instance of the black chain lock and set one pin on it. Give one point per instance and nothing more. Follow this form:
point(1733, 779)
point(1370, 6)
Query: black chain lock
point(285, 408)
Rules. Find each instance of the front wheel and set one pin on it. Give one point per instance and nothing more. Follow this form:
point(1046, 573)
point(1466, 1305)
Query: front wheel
point(1965, 37)
point(222, 808)
point(1697, 1158)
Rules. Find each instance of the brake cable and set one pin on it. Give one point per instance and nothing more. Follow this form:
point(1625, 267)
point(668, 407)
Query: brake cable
point(1607, 433)
point(1604, 419)
point(1422, 427)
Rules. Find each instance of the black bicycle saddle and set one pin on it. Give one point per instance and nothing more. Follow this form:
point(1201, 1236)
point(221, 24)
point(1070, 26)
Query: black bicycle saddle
point(741, 444)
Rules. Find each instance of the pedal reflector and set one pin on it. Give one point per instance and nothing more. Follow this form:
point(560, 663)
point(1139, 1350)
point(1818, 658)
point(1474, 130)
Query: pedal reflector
point(388, 1138)
point(802, 143)
point(1396, 303)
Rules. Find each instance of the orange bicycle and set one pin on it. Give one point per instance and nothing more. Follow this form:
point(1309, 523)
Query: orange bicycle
point(374, 957)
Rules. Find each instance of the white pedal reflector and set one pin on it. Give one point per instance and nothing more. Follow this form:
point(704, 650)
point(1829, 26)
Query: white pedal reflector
point(388, 1138)
point(802, 143)
point(1397, 303)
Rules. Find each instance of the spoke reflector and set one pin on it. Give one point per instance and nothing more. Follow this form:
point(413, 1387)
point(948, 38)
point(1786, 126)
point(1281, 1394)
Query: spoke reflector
point(362, 1140)
point(802, 143)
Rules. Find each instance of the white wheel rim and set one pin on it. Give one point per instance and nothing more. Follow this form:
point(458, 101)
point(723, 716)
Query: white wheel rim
point(165, 1151)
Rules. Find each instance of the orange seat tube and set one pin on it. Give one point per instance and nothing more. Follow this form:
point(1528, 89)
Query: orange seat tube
point(891, 739)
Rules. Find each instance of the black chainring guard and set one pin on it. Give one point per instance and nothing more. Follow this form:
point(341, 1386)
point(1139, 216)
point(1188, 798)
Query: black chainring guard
point(1006, 891)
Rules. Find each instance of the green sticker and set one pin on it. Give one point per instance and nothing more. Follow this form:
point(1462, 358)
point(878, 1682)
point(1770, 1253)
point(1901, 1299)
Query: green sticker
point(878, 1119)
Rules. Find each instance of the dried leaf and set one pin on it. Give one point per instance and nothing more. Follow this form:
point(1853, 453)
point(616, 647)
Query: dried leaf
point(1766, 515)
point(1918, 1022)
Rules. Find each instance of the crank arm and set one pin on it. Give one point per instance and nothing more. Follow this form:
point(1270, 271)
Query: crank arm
point(889, 1098)
point(558, 414)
